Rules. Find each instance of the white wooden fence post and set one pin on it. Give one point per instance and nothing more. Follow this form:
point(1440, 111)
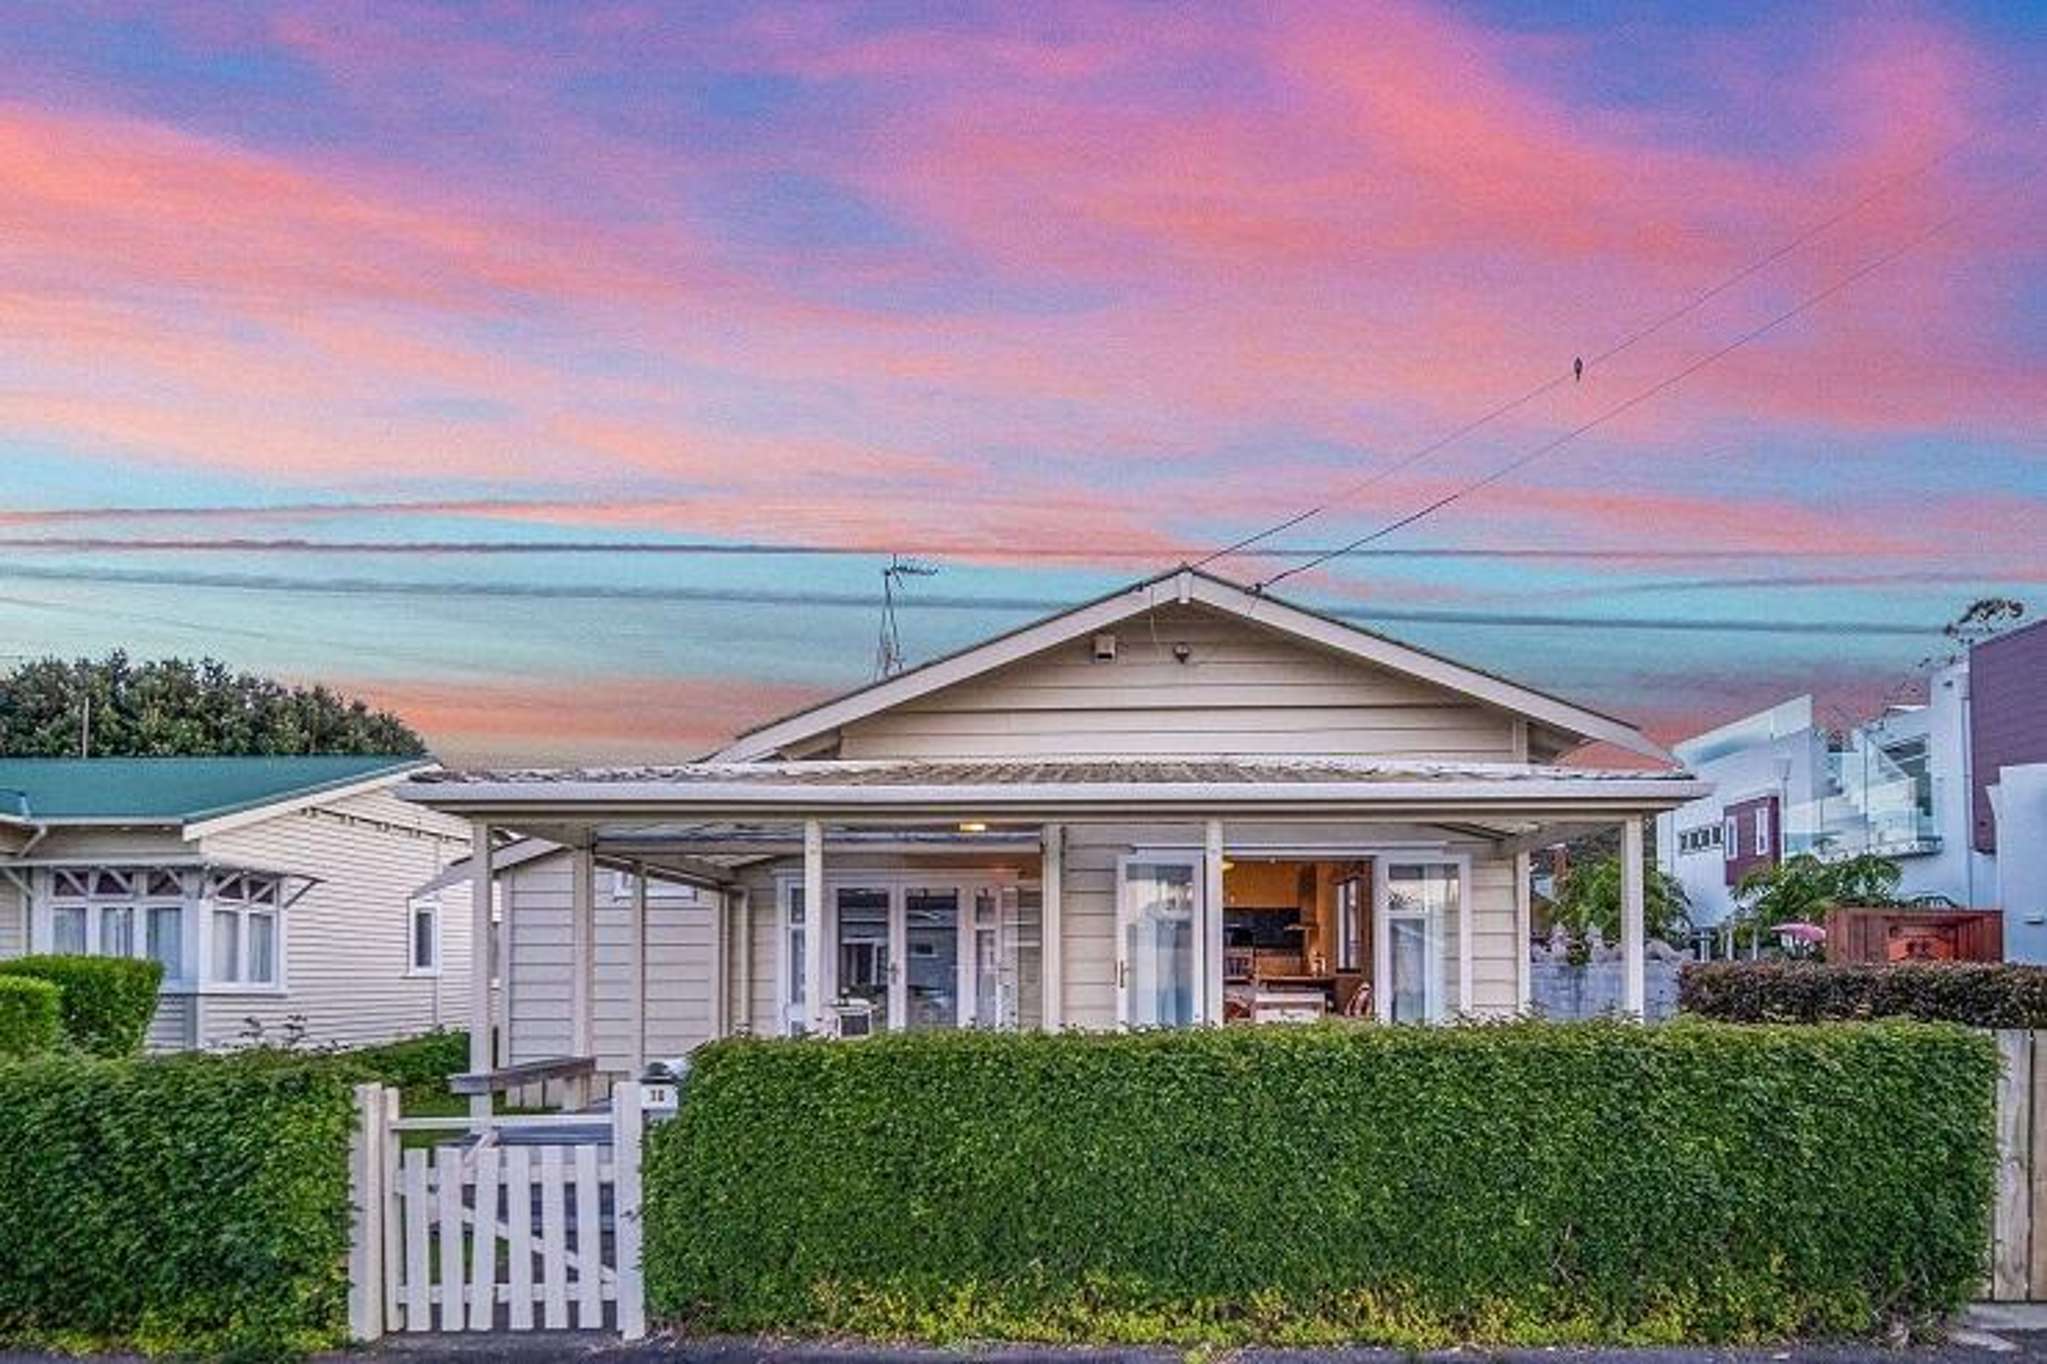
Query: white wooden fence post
point(627, 1127)
point(366, 1193)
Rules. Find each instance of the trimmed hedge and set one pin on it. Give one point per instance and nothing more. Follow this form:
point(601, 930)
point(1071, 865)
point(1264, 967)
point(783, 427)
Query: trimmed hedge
point(419, 1066)
point(107, 1001)
point(29, 1018)
point(1979, 994)
point(1523, 1183)
point(195, 1204)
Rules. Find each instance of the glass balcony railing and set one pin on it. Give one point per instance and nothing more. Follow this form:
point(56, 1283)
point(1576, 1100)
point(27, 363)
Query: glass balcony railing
point(1872, 804)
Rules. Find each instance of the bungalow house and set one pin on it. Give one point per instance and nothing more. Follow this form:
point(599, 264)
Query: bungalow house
point(277, 892)
point(1183, 803)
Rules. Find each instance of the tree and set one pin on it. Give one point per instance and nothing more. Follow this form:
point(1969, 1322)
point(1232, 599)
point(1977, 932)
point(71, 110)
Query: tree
point(173, 707)
point(1802, 888)
point(1590, 895)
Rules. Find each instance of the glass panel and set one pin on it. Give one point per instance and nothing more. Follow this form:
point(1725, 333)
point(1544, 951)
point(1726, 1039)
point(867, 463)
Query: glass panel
point(109, 883)
point(863, 949)
point(931, 944)
point(227, 945)
point(1023, 922)
point(165, 885)
point(1422, 904)
point(1159, 944)
point(792, 946)
point(424, 955)
point(1350, 916)
point(263, 949)
point(67, 930)
point(72, 883)
point(1408, 943)
point(117, 931)
point(167, 940)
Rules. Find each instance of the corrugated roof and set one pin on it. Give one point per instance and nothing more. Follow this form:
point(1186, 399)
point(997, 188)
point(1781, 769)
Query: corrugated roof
point(175, 790)
point(1046, 772)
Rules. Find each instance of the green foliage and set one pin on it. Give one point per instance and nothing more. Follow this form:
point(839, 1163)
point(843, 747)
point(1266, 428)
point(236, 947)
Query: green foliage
point(193, 1205)
point(1523, 1183)
point(1590, 895)
point(106, 1002)
point(30, 1022)
point(419, 1066)
point(1980, 994)
point(178, 707)
point(1802, 888)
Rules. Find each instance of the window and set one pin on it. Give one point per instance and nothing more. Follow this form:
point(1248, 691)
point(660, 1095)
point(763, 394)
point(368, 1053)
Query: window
point(1762, 831)
point(1730, 838)
point(1350, 924)
point(119, 912)
point(245, 928)
point(1699, 838)
point(425, 936)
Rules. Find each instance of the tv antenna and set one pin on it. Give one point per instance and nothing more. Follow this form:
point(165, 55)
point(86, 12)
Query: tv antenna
point(888, 649)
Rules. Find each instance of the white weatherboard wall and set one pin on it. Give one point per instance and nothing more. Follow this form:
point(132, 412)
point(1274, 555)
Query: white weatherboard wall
point(13, 921)
point(1243, 690)
point(346, 944)
point(681, 952)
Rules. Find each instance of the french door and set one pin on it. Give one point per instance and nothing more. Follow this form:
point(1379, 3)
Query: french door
point(921, 954)
point(1159, 968)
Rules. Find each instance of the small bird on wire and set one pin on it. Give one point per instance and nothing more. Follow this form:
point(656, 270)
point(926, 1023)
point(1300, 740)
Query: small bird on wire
point(1578, 370)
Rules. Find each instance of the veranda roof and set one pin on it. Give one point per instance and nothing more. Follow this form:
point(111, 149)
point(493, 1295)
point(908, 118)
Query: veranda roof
point(1022, 787)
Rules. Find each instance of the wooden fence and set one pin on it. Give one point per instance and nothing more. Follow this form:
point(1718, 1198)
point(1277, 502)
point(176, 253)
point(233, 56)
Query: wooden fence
point(2018, 1237)
point(536, 1226)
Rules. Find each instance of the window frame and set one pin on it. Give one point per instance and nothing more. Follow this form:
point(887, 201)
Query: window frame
point(430, 905)
point(94, 892)
point(227, 894)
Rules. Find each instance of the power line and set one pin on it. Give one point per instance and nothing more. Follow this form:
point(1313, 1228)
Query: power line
point(1660, 386)
point(868, 601)
point(1575, 373)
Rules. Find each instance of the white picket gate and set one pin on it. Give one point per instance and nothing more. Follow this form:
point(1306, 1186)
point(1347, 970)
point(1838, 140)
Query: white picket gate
point(535, 1227)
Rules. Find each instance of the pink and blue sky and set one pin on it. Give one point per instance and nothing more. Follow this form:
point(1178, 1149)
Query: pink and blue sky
point(400, 345)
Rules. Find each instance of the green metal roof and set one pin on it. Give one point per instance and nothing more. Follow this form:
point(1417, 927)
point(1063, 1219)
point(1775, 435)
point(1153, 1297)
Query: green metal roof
point(172, 790)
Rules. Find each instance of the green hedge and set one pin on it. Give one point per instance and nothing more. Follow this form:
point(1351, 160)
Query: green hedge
point(193, 1204)
point(1524, 1183)
point(417, 1066)
point(29, 1019)
point(1979, 994)
point(107, 1001)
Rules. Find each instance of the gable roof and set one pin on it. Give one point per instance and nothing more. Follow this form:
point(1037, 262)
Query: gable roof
point(178, 790)
point(1184, 586)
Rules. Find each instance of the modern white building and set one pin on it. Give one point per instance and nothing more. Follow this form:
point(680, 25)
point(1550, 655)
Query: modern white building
point(1954, 788)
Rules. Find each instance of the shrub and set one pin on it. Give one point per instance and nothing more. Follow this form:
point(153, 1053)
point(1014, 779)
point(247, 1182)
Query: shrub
point(29, 1019)
point(417, 1066)
point(1980, 994)
point(1518, 1183)
point(107, 1001)
point(197, 1204)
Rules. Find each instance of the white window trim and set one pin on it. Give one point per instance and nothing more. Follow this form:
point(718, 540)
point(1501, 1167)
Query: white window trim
point(45, 901)
point(431, 903)
point(1762, 830)
point(1730, 837)
point(244, 910)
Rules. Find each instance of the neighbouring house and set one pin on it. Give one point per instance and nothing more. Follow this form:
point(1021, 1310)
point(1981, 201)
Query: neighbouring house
point(277, 892)
point(1185, 802)
point(1942, 786)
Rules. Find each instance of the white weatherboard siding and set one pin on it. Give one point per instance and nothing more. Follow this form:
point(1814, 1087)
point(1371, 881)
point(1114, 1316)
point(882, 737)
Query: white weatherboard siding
point(13, 921)
point(1244, 690)
point(346, 939)
point(679, 967)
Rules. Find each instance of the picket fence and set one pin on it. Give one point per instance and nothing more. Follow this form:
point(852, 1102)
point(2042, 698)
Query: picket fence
point(534, 1227)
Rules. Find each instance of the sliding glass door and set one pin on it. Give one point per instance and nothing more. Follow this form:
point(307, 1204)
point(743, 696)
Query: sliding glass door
point(931, 956)
point(866, 963)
